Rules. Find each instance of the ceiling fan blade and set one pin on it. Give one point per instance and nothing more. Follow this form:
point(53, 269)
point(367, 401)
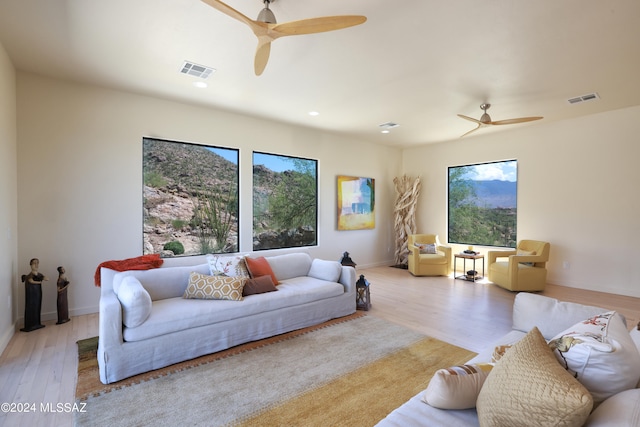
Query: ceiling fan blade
point(472, 130)
point(471, 119)
point(262, 57)
point(228, 10)
point(317, 25)
point(514, 121)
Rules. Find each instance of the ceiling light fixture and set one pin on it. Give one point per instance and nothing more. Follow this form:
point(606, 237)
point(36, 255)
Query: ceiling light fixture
point(314, 113)
point(200, 84)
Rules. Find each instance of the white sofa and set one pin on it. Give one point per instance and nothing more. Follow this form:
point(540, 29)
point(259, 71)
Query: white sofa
point(551, 317)
point(177, 329)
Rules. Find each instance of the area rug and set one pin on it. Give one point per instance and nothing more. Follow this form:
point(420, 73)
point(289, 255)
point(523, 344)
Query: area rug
point(351, 372)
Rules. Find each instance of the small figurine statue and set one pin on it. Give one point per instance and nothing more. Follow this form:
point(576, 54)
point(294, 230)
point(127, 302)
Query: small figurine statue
point(33, 297)
point(63, 305)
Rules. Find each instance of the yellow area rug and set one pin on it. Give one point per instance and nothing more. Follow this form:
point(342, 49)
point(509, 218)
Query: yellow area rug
point(351, 372)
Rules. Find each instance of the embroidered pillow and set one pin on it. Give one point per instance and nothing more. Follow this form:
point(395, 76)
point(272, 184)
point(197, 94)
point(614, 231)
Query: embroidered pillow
point(456, 387)
point(225, 265)
point(528, 387)
point(260, 267)
point(259, 285)
point(202, 286)
point(600, 353)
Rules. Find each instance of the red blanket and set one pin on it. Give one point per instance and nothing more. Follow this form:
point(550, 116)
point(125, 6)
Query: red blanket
point(144, 262)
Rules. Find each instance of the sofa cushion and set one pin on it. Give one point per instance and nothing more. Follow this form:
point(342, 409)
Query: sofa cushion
point(325, 270)
point(259, 285)
point(622, 409)
point(202, 286)
point(600, 353)
point(227, 265)
point(291, 265)
point(260, 267)
point(456, 387)
point(163, 282)
point(176, 314)
point(549, 315)
point(528, 387)
point(135, 301)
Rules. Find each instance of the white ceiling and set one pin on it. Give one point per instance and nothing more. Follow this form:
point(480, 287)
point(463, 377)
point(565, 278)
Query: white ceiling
point(414, 62)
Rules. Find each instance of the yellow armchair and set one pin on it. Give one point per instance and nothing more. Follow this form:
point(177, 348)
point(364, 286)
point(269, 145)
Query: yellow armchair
point(524, 270)
point(424, 264)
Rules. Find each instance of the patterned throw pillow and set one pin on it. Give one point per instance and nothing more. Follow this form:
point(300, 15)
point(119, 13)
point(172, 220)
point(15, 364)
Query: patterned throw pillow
point(225, 265)
point(528, 387)
point(456, 387)
point(427, 248)
point(600, 353)
point(202, 286)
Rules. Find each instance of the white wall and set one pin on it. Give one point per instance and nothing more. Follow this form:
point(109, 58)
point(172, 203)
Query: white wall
point(80, 178)
point(9, 281)
point(577, 188)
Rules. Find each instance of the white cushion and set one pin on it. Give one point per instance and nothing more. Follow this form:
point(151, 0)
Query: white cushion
point(549, 315)
point(456, 387)
point(600, 353)
point(325, 270)
point(622, 409)
point(135, 301)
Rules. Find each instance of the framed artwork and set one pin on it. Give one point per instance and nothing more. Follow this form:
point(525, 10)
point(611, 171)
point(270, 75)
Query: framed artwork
point(356, 203)
point(285, 201)
point(483, 204)
point(190, 198)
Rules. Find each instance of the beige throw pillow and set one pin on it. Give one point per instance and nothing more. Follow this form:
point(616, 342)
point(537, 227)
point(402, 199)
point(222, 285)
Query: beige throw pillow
point(456, 387)
point(528, 387)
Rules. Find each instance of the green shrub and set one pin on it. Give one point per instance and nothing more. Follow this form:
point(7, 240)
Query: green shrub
point(174, 246)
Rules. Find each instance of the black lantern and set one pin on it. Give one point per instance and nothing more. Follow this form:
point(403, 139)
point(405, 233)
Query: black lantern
point(363, 296)
point(347, 261)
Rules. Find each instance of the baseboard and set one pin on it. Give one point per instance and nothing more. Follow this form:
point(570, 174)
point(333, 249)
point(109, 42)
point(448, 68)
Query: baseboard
point(6, 337)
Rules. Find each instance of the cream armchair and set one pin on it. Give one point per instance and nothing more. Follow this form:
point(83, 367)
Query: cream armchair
point(524, 270)
point(425, 264)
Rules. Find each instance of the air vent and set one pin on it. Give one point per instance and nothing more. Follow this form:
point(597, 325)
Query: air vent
point(196, 70)
point(583, 98)
point(388, 125)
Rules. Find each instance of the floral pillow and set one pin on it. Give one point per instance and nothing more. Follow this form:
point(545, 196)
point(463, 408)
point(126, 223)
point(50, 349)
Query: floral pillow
point(426, 248)
point(600, 353)
point(227, 265)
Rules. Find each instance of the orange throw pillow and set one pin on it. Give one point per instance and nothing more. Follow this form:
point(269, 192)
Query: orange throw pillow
point(260, 267)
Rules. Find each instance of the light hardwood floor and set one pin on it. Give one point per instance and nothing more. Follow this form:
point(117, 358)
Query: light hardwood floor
point(40, 367)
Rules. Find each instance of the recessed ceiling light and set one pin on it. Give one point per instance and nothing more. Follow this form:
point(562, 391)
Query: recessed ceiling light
point(200, 84)
point(384, 131)
point(314, 113)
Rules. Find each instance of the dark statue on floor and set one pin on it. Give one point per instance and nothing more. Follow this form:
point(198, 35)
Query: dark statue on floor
point(33, 297)
point(63, 305)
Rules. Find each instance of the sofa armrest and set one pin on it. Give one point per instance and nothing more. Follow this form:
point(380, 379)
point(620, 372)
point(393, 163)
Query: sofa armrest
point(348, 279)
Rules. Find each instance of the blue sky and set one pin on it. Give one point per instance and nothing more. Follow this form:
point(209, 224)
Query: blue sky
point(231, 155)
point(273, 162)
point(501, 171)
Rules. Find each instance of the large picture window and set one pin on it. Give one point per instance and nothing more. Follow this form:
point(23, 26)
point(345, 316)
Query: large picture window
point(190, 197)
point(285, 201)
point(483, 204)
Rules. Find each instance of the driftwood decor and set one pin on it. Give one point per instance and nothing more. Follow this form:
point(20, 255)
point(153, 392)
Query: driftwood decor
point(405, 215)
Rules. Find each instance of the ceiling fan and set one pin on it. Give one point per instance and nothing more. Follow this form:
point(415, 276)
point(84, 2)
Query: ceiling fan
point(267, 29)
point(485, 120)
